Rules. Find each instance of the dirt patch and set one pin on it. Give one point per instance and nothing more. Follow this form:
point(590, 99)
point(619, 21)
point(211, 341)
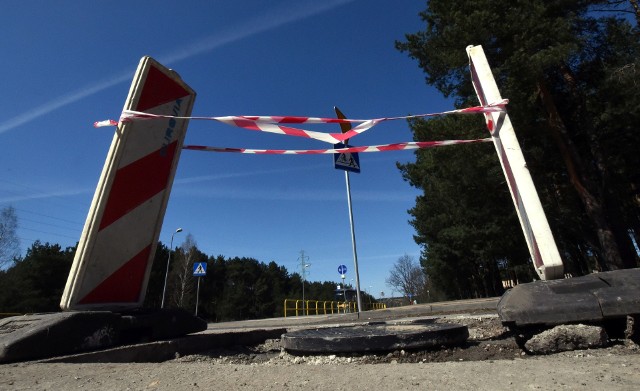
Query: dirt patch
point(488, 340)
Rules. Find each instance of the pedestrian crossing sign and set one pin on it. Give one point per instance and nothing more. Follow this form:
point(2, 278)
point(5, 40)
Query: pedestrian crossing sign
point(346, 161)
point(199, 269)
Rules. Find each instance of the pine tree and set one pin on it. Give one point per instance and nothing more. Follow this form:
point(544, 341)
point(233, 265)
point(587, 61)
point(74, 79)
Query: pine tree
point(567, 71)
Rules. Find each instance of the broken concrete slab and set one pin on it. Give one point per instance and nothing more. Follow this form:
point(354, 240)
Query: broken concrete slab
point(371, 338)
point(592, 298)
point(36, 336)
point(159, 351)
point(567, 337)
point(44, 335)
point(154, 325)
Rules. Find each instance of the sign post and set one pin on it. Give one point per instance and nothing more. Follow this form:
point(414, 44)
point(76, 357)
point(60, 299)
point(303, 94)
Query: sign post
point(350, 163)
point(342, 269)
point(199, 270)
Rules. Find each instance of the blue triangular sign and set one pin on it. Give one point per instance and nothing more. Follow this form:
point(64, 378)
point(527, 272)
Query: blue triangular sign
point(199, 269)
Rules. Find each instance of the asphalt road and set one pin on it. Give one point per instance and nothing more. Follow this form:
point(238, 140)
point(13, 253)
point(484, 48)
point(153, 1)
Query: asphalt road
point(487, 305)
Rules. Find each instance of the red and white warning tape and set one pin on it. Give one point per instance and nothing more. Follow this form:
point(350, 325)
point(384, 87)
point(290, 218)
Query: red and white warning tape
point(106, 122)
point(273, 124)
point(371, 148)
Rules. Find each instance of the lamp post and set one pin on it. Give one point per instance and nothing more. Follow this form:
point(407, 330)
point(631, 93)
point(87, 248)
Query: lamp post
point(164, 290)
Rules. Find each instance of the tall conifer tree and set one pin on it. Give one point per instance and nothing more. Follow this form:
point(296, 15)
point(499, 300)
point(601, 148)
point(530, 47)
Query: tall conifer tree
point(568, 68)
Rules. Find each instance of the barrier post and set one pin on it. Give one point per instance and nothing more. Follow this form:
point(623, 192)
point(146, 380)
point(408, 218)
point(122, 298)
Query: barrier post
point(117, 247)
point(533, 221)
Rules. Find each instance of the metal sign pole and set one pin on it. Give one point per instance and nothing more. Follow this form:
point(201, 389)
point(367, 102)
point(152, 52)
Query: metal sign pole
point(344, 293)
point(345, 127)
point(197, 295)
point(353, 242)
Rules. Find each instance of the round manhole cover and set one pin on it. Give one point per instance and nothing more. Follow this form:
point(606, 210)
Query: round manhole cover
point(374, 338)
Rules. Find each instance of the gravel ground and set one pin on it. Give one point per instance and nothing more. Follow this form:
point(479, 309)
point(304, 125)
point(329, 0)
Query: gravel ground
point(490, 359)
point(488, 340)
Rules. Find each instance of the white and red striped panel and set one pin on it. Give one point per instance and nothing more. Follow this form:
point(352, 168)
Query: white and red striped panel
point(116, 250)
point(542, 246)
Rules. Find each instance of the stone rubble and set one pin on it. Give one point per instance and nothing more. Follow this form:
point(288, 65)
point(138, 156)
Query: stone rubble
point(567, 337)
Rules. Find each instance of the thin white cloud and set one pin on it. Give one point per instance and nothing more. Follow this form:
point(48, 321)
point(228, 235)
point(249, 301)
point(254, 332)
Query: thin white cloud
point(243, 174)
point(36, 196)
point(300, 194)
point(274, 19)
point(62, 101)
point(235, 194)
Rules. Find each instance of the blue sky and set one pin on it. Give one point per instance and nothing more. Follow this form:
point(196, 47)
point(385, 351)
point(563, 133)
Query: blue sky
point(65, 67)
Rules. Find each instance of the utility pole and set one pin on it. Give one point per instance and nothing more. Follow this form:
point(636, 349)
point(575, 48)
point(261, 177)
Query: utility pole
point(303, 273)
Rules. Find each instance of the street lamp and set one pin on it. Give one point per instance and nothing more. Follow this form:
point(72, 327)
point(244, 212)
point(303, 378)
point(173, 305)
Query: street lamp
point(164, 290)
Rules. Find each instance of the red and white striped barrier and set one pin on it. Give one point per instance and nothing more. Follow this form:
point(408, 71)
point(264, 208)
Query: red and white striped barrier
point(542, 246)
point(117, 247)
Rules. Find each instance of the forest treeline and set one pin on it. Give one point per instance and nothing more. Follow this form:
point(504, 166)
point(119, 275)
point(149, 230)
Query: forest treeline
point(571, 72)
point(234, 288)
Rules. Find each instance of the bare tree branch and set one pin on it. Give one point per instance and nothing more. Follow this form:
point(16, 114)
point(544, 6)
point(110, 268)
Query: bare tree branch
point(407, 277)
point(185, 258)
point(9, 243)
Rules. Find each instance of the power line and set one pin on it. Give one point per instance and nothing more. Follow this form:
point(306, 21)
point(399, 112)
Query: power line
point(50, 233)
point(48, 216)
point(39, 194)
point(48, 224)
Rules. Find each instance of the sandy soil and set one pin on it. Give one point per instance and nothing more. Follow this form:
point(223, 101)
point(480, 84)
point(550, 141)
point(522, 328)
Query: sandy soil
point(490, 360)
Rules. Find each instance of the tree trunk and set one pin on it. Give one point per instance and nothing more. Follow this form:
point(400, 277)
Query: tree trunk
point(611, 208)
point(593, 205)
